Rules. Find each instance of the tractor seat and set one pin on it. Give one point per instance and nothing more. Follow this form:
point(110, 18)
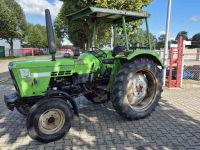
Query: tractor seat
point(108, 61)
point(117, 50)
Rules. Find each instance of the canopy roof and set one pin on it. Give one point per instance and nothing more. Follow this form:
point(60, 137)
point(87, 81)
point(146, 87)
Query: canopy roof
point(111, 14)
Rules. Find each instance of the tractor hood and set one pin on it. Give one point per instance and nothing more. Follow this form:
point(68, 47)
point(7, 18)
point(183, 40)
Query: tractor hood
point(36, 74)
point(61, 67)
point(41, 63)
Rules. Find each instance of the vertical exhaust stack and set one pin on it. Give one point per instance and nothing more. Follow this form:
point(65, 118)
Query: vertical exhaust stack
point(50, 34)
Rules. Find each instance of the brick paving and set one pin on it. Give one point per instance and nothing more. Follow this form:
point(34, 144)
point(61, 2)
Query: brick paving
point(175, 124)
point(4, 76)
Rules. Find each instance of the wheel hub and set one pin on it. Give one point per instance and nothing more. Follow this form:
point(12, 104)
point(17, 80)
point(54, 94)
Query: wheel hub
point(139, 88)
point(51, 121)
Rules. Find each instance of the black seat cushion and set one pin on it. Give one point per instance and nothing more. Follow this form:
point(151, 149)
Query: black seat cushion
point(117, 50)
point(108, 61)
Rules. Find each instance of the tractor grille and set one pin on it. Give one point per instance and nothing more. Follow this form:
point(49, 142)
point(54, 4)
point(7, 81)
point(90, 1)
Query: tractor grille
point(13, 80)
point(61, 73)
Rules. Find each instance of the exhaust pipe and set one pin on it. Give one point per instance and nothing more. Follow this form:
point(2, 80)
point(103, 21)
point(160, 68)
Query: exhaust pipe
point(50, 34)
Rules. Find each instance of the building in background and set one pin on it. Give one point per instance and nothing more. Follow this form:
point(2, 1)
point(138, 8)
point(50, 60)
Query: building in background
point(16, 47)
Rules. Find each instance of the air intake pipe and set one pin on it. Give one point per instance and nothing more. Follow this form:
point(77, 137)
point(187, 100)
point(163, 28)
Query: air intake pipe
point(50, 34)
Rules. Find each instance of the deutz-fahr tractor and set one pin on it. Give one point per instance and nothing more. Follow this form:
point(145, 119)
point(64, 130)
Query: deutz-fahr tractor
point(45, 89)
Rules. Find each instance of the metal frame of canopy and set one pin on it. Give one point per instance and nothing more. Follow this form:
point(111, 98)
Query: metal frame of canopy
point(117, 16)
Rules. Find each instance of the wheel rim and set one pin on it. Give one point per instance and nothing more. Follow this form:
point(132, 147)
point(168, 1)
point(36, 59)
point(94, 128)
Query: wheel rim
point(51, 121)
point(141, 90)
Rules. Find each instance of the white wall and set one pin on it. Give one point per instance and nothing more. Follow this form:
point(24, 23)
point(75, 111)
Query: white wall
point(187, 57)
point(16, 47)
point(16, 44)
point(2, 42)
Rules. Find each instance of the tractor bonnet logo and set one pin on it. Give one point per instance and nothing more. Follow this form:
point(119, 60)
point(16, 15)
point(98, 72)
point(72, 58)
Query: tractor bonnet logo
point(25, 73)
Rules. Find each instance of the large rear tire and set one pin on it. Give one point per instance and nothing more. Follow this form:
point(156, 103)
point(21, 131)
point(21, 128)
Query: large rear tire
point(49, 120)
point(136, 89)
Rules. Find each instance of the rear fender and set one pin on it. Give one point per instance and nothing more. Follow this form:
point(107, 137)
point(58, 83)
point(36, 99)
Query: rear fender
point(153, 55)
point(120, 60)
point(65, 97)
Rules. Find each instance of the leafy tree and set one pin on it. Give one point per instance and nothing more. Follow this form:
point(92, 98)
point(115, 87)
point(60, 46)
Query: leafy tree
point(81, 32)
point(12, 21)
point(43, 37)
point(67, 46)
point(120, 40)
point(58, 42)
point(184, 34)
point(104, 40)
point(140, 39)
point(196, 41)
point(40, 41)
point(34, 37)
point(161, 42)
point(37, 37)
point(45, 40)
point(136, 39)
point(173, 42)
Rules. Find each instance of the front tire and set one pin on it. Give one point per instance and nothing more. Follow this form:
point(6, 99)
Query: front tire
point(136, 89)
point(24, 109)
point(49, 120)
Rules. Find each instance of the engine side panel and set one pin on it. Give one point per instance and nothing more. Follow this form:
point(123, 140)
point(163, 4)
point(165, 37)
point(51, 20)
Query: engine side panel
point(33, 78)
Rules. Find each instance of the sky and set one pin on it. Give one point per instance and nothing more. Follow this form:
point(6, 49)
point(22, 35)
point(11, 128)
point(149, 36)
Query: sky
point(185, 15)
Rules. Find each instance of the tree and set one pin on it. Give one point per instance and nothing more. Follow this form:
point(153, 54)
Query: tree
point(58, 42)
point(184, 34)
point(120, 40)
point(196, 41)
point(37, 37)
point(12, 21)
point(81, 32)
point(161, 42)
point(104, 40)
point(34, 37)
point(67, 46)
point(140, 39)
point(136, 39)
point(42, 36)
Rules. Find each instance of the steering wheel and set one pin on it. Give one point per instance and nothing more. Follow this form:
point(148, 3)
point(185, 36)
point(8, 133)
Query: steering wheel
point(101, 51)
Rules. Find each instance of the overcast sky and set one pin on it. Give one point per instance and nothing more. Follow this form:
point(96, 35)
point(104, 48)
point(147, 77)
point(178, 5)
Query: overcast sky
point(185, 15)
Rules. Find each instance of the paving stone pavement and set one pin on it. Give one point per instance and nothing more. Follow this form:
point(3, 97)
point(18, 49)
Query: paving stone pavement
point(4, 76)
point(175, 124)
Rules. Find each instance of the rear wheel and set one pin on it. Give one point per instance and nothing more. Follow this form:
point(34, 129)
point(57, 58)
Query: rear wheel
point(49, 120)
point(136, 89)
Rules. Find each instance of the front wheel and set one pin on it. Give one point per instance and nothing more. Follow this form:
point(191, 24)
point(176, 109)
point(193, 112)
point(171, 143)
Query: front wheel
point(24, 109)
point(49, 120)
point(136, 89)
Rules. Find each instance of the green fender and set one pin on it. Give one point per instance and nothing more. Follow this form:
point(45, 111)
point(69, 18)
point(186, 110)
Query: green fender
point(148, 54)
point(119, 60)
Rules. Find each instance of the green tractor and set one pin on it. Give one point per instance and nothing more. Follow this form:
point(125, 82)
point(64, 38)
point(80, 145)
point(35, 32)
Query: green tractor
point(131, 79)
